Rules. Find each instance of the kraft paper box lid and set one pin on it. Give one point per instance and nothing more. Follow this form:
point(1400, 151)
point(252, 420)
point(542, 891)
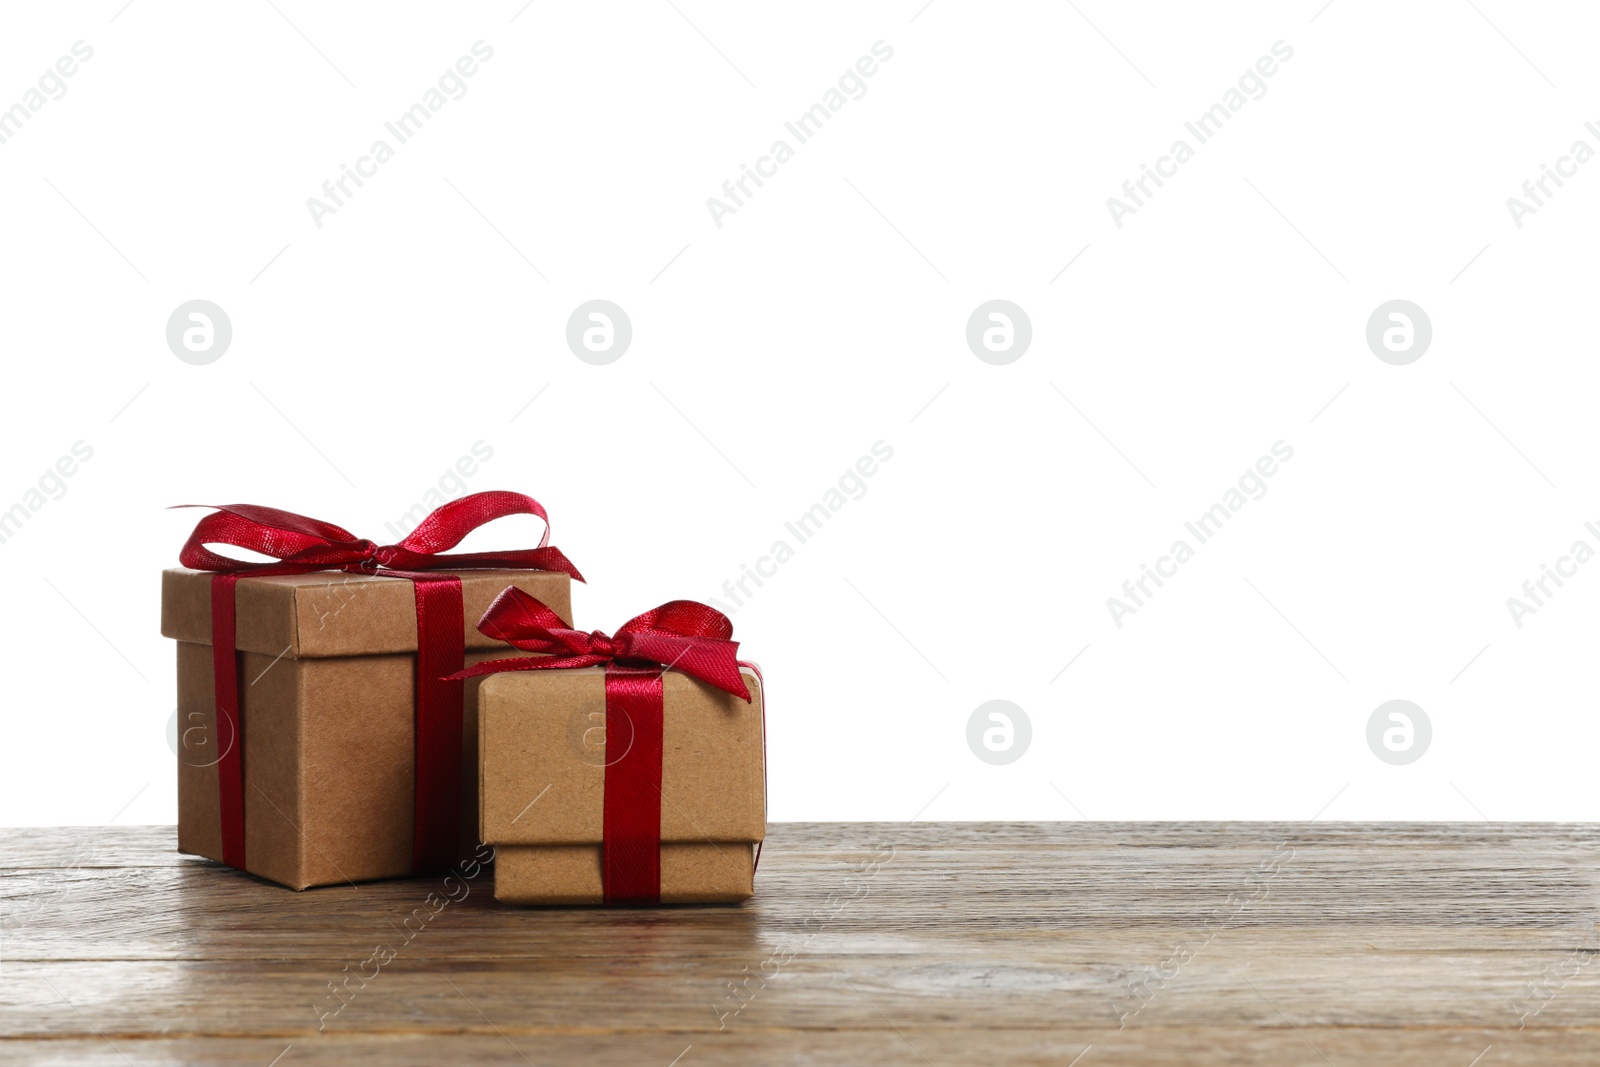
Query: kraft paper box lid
point(542, 738)
point(335, 613)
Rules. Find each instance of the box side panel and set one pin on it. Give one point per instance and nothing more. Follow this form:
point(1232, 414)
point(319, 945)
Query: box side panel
point(274, 808)
point(471, 791)
point(265, 618)
point(712, 781)
point(356, 768)
point(264, 608)
point(199, 748)
point(706, 873)
point(186, 606)
point(543, 743)
point(699, 873)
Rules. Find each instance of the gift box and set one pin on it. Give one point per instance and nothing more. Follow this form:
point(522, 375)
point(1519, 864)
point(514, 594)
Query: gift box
point(343, 755)
point(606, 779)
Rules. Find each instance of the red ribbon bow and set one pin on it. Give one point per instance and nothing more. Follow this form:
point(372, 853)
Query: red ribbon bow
point(680, 635)
point(301, 545)
point(304, 544)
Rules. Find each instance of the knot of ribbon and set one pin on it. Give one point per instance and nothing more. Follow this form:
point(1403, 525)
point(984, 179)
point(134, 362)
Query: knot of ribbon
point(681, 635)
point(298, 545)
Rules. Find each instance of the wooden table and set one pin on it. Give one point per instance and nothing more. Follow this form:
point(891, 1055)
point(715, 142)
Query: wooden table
point(1091, 943)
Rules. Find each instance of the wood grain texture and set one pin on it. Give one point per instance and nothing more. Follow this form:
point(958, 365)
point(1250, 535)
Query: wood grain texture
point(1144, 943)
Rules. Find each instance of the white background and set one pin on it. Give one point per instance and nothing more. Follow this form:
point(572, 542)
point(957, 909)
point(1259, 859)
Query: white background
point(827, 314)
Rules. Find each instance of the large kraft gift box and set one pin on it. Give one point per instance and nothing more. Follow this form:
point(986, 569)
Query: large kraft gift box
point(348, 764)
point(327, 677)
point(553, 743)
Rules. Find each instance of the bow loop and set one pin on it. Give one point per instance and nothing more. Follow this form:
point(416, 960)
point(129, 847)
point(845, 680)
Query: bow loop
point(688, 618)
point(294, 540)
point(525, 622)
point(426, 547)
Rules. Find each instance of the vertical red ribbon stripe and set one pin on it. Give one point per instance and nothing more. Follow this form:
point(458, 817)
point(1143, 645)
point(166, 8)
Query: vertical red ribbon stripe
point(441, 651)
point(631, 846)
point(225, 685)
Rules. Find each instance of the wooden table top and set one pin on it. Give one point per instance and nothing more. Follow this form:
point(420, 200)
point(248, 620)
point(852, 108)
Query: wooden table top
point(1094, 944)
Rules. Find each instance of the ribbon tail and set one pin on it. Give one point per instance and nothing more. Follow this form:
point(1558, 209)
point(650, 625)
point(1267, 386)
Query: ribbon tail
point(551, 558)
point(711, 660)
point(524, 663)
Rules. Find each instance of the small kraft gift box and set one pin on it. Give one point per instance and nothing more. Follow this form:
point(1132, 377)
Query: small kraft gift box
point(320, 739)
point(620, 770)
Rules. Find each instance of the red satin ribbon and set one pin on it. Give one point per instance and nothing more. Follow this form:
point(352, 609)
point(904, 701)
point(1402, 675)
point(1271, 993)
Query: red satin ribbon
point(303, 544)
point(680, 635)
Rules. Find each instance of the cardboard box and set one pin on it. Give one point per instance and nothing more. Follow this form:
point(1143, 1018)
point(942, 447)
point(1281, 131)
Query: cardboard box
point(542, 745)
point(327, 670)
